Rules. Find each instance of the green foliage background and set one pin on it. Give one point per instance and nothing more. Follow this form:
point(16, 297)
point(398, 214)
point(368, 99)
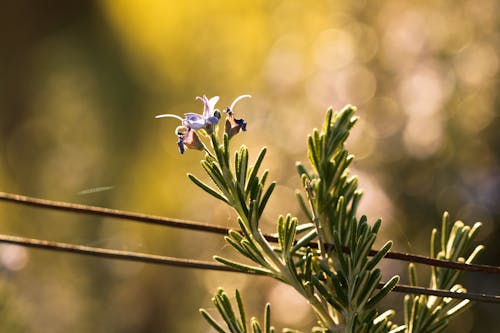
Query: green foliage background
point(81, 81)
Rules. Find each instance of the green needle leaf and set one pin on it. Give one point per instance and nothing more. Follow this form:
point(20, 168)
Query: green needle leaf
point(241, 308)
point(267, 318)
point(243, 268)
point(265, 199)
point(207, 188)
point(211, 321)
point(304, 240)
point(474, 254)
point(379, 255)
point(383, 291)
point(326, 294)
point(256, 166)
point(398, 329)
point(255, 325)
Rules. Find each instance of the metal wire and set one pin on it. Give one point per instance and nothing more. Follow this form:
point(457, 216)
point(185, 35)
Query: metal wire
point(190, 225)
point(190, 263)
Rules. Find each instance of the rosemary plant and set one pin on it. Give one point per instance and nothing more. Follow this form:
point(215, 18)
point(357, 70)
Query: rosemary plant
point(325, 258)
point(430, 313)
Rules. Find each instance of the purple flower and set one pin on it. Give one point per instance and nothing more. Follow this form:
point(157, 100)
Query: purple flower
point(186, 134)
point(192, 122)
point(234, 126)
point(207, 120)
point(187, 138)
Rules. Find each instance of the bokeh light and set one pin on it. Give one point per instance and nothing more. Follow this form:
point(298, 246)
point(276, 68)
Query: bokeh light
point(81, 82)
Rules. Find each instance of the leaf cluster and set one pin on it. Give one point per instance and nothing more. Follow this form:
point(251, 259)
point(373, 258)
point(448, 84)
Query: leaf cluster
point(431, 313)
point(338, 278)
point(347, 278)
point(237, 322)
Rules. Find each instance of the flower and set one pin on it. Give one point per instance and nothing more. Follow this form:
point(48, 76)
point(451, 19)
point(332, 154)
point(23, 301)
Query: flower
point(187, 138)
point(186, 134)
point(192, 122)
point(234, 126)
point(207, 120)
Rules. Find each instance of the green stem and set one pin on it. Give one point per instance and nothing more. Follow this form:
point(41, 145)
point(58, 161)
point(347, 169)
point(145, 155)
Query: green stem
point(319, 308)
point(315, 219)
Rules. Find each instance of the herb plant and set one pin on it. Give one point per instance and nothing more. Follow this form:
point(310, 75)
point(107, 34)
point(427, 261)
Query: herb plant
point(326, 258)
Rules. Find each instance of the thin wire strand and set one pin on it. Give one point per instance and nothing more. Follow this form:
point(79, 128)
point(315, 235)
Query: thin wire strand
point(184, 224)
point(190, 263)
point(108, 212)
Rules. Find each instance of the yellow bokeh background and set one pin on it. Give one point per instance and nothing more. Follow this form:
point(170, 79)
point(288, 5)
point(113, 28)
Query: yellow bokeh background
point(81, 82)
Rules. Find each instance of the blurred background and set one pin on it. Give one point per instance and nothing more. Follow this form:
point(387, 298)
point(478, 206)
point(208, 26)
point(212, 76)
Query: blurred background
point(81, 82)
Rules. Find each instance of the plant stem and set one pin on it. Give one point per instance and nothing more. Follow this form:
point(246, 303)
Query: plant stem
point(315, 219)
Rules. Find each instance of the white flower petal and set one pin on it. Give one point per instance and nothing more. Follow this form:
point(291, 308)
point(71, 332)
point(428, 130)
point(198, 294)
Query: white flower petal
point(237, 100)
point(206, 106)
point(212, 101)
point(168, 115)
